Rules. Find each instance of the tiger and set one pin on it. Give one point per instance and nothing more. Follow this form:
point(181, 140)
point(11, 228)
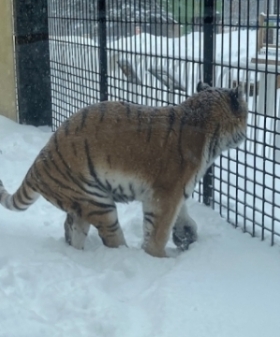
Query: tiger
point(116, 152)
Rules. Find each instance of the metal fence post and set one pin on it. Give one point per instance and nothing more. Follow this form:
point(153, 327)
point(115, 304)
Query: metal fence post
point(102, 33)
point(208, 57)
point(32, 62)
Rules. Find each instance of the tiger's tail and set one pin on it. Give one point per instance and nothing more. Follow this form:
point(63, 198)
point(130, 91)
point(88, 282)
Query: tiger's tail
point(24, 197)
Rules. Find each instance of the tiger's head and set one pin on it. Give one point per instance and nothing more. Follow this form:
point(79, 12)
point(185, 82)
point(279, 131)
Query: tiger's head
point(221, 115)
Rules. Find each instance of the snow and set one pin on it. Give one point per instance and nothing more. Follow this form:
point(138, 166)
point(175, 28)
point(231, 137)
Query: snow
point(75, 84)
point(181, 57)
point(227, 284)
point(229, 47)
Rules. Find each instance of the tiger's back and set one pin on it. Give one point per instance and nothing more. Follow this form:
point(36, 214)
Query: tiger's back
point(117, 152)
point(127, 138)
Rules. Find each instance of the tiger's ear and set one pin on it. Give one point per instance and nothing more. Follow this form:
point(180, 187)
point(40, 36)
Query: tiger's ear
point(236, 97)
point(239, 91)
point(202, 86)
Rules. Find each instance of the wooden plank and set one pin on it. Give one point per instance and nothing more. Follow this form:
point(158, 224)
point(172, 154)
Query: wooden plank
point(8, 103)
point(264, 61)
point(260, 32)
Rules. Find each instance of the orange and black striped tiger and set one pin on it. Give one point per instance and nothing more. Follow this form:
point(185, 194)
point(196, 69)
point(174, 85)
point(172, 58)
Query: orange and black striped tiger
point(118, 152)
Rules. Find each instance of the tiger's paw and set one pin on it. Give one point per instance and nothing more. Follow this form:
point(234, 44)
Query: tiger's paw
point(183, 237)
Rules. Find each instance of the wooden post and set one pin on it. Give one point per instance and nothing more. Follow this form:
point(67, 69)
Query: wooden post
point(8, 106)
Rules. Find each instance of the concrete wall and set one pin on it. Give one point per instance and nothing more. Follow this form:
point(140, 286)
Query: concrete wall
point(8, 106)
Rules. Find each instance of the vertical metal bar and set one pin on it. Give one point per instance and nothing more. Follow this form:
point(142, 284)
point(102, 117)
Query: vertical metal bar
point(247, 93)
point(221, 83)
point(33, 62)
point(102, 34)
point(208, 57)
point(275, 129)
point(208, 51)
point(265, 129)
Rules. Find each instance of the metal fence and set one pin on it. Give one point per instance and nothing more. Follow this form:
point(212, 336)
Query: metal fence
point(154, 53)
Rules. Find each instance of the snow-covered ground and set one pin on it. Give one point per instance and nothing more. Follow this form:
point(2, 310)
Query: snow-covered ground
point(226, 285)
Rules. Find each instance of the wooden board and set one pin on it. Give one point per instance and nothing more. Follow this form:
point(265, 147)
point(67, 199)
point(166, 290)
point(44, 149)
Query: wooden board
point(8, 103)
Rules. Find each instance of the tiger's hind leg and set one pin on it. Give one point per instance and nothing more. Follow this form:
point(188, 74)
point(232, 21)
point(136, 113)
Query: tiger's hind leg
point(76, 231)
point(104, 217)
point(184, 230)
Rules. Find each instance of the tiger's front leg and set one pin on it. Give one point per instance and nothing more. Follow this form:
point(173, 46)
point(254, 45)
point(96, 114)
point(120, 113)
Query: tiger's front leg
point(159, 217)
point(76, 231)
point(184, 230)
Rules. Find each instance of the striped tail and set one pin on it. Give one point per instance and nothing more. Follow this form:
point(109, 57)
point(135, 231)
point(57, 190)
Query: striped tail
point(19, 201)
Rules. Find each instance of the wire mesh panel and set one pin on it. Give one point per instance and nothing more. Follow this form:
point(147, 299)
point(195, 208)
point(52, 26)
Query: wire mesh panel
point(149, 60)
point(246, 184)
point(74, 55)
point(156, 51)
